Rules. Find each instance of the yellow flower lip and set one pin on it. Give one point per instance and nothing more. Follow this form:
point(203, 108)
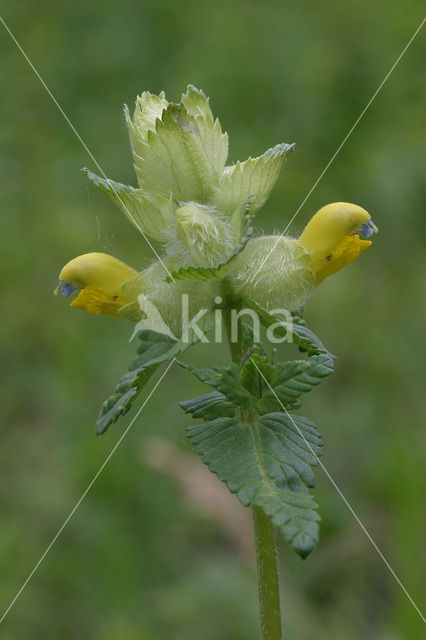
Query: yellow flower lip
point(335, 236)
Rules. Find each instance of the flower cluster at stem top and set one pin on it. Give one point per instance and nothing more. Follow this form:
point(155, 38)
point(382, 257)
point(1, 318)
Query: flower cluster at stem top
point(199, 211)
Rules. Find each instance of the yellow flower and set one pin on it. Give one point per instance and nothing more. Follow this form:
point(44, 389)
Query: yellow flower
point(332, 237)
point(107, 285)
point(98, 278)
point(278, 271)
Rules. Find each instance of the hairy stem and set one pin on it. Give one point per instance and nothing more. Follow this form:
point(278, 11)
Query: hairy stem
point(265, 544)
point(267, 576)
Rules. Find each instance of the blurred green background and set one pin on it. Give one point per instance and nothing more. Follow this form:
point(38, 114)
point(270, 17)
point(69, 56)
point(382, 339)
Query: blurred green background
point(140, 559)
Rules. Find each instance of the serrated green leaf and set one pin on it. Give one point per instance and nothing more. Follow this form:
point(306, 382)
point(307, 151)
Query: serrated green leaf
point(196, 103)
point(253, 178)
point(129, 386)
point(259, 386)
point(226, 381)
point(148, 108)
point(153, 217)
point(294, 331)
point(153, 349)
point(184, 156)
point(125, 196)
point(256, 371)
point(266, 463)
point(259, 375)
point(199, 274)
point(291, 379)
point(209, 406)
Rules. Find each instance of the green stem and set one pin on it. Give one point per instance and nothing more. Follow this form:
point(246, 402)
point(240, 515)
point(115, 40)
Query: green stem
point(264, 542)
point(267, 576)
point(235, 347)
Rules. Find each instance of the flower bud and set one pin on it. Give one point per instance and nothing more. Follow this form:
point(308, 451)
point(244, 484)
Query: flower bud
point(206, 236)
point(160, 299)
point(274, 272)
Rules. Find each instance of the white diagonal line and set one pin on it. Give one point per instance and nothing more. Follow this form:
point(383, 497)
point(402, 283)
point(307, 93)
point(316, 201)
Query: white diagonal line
point(342, 496)
point(78, 503)
point(81, 140)
point(339, 148)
